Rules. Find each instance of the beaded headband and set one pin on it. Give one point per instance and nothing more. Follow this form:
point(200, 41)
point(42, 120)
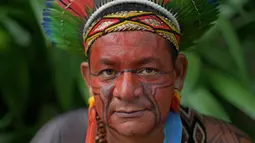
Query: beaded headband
point(133, 21)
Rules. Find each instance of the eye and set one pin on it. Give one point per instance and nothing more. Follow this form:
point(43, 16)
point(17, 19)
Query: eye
point(147, 71)
point(108, 73)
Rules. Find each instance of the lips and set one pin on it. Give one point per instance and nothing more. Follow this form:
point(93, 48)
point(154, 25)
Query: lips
point(130, 113)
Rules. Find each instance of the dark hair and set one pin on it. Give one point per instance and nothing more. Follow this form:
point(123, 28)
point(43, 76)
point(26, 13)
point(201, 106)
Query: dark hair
point(173, 52)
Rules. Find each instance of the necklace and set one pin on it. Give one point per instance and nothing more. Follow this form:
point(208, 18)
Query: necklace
point(101, 132)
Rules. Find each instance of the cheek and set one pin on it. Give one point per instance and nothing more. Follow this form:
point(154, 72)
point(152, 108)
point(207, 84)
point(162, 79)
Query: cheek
point(164, 99)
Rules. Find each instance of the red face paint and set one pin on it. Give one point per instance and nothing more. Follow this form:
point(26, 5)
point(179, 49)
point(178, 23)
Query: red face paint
point(132, 79)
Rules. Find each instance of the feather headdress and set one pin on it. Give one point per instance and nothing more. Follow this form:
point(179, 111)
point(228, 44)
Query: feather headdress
point(75, 24)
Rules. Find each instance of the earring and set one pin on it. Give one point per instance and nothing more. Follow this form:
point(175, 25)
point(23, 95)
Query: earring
point(175, 105)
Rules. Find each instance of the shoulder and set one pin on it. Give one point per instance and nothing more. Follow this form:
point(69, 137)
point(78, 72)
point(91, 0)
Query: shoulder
point(193, 127)
point(198, 128)
point(220, 131)
point(67, 128)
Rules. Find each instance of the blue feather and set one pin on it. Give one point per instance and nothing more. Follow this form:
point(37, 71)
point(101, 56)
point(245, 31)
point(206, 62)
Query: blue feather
point(173, 128)
point(45, 24)
point(48, 4)
point(47, 31)
point(213, 1)
point(47, 19)
point(46, 13)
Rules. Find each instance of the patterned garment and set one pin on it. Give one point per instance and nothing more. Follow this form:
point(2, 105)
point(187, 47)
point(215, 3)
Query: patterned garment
point(193, 130)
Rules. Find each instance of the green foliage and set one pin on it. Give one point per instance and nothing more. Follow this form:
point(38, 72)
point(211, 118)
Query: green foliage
point(39, 82)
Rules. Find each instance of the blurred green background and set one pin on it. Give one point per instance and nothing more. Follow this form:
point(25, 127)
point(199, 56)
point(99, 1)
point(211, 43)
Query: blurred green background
point(39, 81)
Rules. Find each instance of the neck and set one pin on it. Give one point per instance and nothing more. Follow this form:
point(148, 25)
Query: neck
point(156, 136)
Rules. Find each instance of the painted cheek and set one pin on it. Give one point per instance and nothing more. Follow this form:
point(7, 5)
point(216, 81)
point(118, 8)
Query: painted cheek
point(106, 97)
point(164, 98)
point(103, 95)
point(99, 106)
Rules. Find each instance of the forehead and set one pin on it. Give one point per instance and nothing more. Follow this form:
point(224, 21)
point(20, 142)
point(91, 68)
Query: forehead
point(134, 38)
point(130, 46)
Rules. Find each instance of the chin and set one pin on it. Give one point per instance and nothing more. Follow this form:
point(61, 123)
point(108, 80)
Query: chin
point(134, 126)
point(134, 129)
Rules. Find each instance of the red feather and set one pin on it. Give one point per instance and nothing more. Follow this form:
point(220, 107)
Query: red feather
point(91, 131)
point(166, 1)
point(77, 7)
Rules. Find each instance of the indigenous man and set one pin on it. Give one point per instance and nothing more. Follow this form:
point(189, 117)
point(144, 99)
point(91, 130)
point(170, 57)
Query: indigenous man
point(135, 71)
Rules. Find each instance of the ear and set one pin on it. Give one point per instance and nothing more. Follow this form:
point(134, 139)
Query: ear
point(181, 66)
point(86, 74)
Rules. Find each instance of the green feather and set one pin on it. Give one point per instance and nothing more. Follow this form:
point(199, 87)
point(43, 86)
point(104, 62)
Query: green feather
point(64, 28)
point(65, 15)
point(195, 18)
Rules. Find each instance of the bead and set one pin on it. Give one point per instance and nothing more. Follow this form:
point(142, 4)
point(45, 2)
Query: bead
point(99, 122)
point(102, 140)
point(101, 136)
point(101, 130)
point(101, 125)
point(97, 138)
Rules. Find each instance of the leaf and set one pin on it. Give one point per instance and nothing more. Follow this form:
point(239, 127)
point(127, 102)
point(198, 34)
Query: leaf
point(37, 7)
point(204, 102)
point(64, 77)
point(4, 40)
point(19, 34)
point(9, 10)
point(14, 83)
point(231, 7)
point(6, 120)
point(193, 72)
point(6, 137)
point(233, 91)
point(235, 48)
point(242, 22)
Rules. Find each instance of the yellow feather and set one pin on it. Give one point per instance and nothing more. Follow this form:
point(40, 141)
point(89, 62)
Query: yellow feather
point(91, 101)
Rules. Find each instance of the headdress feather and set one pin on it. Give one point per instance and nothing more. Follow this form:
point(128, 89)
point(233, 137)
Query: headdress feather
point(195, 18)
point(66, 21)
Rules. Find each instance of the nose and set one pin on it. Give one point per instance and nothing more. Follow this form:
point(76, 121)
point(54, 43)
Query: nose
point(127, 87)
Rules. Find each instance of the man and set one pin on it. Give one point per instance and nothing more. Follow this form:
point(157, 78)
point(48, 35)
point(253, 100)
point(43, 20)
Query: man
point(134, 71)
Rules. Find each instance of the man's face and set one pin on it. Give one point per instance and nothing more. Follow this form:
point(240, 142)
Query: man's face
point(132, 77)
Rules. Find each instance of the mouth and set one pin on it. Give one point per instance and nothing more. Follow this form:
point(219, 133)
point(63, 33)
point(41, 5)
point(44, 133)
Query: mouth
point(130, 114)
